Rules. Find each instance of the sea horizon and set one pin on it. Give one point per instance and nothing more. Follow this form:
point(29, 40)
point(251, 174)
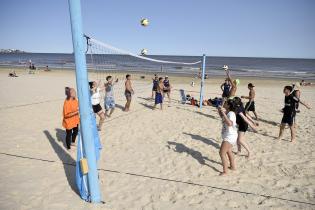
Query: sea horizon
point(302, 68)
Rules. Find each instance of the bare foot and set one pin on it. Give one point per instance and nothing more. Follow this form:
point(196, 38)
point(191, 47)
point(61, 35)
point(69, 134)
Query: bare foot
point(279, 138)
point(293, 140)
point(232, 168)
point(223, 174)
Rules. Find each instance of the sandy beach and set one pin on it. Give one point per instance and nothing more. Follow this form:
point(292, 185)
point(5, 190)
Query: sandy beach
point(152, 159)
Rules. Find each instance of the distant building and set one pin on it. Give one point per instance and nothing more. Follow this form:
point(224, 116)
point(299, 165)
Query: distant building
point(4, 51)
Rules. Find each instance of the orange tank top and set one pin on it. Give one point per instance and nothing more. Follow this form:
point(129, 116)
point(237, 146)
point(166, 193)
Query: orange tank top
point(69, 107)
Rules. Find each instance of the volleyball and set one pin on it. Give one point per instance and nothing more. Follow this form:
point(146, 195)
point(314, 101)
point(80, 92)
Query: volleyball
point(225, 67)
point(144, 22)
point(144, 51)
point(237, 81)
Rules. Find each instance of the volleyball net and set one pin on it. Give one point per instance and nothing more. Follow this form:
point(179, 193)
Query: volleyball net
point(104, 59)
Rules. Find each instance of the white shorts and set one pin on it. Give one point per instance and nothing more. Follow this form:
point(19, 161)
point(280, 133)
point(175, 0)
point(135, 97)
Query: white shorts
point(231, 139)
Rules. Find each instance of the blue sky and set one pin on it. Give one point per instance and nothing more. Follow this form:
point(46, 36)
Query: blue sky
point(244, 28)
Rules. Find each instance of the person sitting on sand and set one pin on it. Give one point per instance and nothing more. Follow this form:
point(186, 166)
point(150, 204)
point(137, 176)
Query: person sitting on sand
point(229, 134)
point(233, 83)
point(109, 100)
point(167, 88)
point(289, 112)
point(71, 118)
point(226, 87)
point(243, 120)
point(12, 74)
point(47, 69)
point(96, 100)
point(250, 105)
point(155, 81)
point(303, 83)
point(128, 92)
point(159, 94)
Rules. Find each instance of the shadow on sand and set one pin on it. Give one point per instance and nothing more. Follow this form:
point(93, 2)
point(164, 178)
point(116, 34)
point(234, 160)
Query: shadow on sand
point(181, 148)
point(268, 122)
point(200, 113)
point(66, 159)
point(122, 108)
point(147, 105)
point(203, 139)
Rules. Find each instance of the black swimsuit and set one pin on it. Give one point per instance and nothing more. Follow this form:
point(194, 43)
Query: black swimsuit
point(242, 125)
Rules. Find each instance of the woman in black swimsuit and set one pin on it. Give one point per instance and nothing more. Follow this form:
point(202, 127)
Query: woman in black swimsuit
point(243, 120)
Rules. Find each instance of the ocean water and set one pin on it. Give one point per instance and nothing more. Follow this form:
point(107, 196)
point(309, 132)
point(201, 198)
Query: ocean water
point(258, 67)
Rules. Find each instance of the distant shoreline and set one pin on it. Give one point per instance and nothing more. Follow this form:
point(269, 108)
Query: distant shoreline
point(171, 74)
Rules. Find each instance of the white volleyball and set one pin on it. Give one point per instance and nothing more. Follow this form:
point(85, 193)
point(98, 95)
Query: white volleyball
point(144, 22)
point(144, 51)
point(225, 67)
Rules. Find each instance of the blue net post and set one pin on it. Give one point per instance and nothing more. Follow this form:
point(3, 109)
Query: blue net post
point(84, 99)
point(203, 69)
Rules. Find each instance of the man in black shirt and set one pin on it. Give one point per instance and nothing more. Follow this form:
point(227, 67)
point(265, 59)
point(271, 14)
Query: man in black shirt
point(289, 111)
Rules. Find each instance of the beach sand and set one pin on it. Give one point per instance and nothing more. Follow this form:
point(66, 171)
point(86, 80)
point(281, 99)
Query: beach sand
point(152, 159)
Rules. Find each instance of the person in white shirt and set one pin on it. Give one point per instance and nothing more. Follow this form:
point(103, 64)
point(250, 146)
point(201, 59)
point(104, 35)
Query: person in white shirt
point(229, 134)
point(96, 100)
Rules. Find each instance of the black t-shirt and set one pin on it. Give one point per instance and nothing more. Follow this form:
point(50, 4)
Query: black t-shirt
point(290, 104)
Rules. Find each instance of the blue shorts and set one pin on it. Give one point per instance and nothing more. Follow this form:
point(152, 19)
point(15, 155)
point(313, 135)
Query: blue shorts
point(109, 103)
point(158, 98)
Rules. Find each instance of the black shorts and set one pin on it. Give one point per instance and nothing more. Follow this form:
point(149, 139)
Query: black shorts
point(166, 91)
point(128, 94)
point(250, 106)
point(288, 118)
point(242, 127)
point(225, 95)
point(97, 108)
point(154, 89)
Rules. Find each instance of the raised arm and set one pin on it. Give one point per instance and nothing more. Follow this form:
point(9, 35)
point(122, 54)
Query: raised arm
point(224, 117)
point(230, 78)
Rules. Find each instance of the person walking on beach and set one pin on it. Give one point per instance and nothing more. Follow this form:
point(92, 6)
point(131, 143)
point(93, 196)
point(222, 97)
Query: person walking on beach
point(167, 88)
point(155, 81)
point(128, 92)
point(159, 94)
point(243, 120)
point(109, 100)
point(250, 105)
point(71, 118)
point(229, 134)
point(289, 112)
point(96, 100)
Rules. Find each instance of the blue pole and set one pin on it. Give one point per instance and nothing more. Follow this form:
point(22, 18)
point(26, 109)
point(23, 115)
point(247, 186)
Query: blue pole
point(83, 96)
point(202, 79)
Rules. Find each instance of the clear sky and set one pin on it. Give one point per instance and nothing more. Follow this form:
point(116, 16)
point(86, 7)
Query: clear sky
point(244, 28)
